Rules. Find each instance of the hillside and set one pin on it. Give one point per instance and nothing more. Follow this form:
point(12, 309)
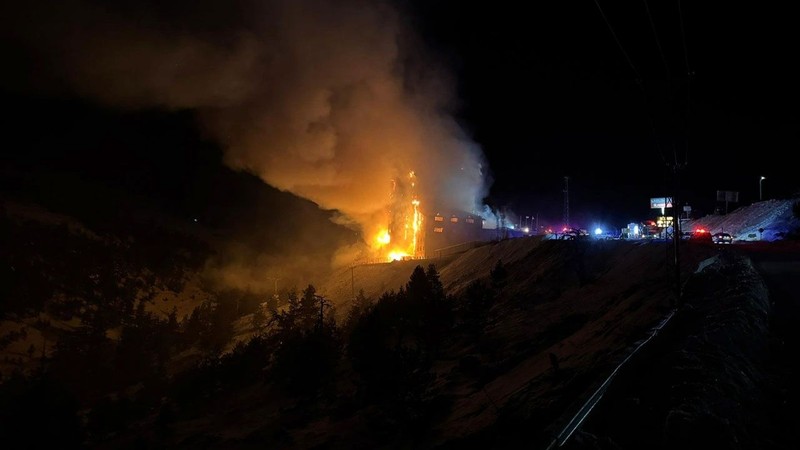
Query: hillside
point(566, 313)
point(775, 217)
point(60, 277)
point(127, 346)
point(768, 220)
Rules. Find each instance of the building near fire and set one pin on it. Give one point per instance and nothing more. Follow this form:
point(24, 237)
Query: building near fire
point(448, 231)
point(417, 227)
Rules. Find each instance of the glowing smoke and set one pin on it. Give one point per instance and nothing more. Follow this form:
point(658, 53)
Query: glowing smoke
point(329, 100)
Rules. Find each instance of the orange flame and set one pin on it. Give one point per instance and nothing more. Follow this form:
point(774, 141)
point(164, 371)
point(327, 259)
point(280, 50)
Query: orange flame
point(402, 239)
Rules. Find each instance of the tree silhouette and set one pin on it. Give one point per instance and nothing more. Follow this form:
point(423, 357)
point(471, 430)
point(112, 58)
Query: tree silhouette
point(307, 349)
point(360, 307)
point(393, 345)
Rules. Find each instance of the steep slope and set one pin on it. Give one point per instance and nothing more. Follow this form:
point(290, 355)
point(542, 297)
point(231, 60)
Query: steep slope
point(59, 276)
point(774, 217)
point(538, 324)
point(716, 377)
point(567, 313)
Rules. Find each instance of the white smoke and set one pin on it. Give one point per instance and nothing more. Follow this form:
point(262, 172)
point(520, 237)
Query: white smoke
point(327, 99)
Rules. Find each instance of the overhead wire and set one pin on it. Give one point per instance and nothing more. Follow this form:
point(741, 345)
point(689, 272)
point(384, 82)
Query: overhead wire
point(675, 166)
point(666, 66)
point(639, 80)
point(676, 163)
point(619, 44)
point(658, 41)
point(689, 78)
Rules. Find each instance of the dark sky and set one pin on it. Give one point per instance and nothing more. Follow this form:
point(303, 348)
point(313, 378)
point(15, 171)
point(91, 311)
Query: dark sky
point(548, 92)
point(543, 89)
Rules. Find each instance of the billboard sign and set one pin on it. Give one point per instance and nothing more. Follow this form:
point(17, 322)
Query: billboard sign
point(728, 196)
point(660, 202)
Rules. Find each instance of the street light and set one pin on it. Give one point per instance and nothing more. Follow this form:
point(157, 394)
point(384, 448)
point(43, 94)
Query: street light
point(760, 190)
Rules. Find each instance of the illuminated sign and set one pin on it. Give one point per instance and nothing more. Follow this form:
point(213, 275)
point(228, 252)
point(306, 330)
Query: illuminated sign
point(660, 202)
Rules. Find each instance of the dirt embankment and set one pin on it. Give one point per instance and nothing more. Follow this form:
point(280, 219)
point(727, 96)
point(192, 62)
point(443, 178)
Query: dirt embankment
point(704, 383)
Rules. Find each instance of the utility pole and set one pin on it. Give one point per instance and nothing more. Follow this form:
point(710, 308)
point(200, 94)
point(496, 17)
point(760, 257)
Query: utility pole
point(566, 201)
point(676, 232)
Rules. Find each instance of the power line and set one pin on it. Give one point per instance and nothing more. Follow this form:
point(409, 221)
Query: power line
point(655, 35)
point(639, 82)
point(683, 39)
point(619, 44)
point(653, 126)
point(675, 166)
point(689, 77)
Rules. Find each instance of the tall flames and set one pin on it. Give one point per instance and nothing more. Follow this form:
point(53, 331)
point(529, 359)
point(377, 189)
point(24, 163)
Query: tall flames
point(326, 100)
point(402, 238)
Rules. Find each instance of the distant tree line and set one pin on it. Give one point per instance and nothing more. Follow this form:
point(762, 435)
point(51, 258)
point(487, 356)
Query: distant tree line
point(380, 359)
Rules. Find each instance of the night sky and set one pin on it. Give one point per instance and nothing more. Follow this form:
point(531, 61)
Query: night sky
point(548, 92)
point(540, 91)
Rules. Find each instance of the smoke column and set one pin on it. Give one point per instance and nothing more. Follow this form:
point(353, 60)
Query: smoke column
point(329, 100)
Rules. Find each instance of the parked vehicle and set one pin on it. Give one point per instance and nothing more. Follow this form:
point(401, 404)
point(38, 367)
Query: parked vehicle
point(722, 238)
point(701, 235)
point(573, 233)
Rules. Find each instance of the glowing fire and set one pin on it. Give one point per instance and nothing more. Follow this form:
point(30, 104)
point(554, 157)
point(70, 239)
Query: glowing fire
point(403, 237)
point(383, 237)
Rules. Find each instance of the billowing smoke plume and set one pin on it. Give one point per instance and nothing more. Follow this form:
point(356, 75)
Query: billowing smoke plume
point(329, 100)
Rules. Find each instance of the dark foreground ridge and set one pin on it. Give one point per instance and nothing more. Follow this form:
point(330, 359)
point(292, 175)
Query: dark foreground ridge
point(711, 380)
